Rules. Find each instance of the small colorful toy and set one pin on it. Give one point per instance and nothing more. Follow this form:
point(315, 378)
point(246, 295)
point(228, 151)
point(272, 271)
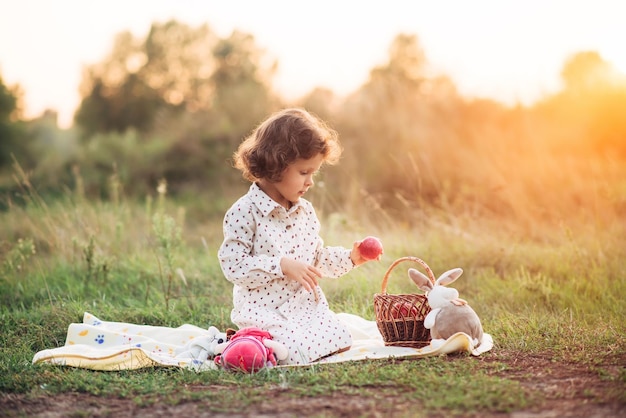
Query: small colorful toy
point(249, 350)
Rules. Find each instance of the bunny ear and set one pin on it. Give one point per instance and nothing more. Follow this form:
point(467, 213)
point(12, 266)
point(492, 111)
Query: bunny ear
point(420, 280)
point(449, 276)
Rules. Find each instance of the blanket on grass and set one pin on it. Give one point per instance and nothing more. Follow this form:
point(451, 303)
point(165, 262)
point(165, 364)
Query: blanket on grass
point(101, 345)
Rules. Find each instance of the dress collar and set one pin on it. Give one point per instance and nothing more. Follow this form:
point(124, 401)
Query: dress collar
point(266, 204)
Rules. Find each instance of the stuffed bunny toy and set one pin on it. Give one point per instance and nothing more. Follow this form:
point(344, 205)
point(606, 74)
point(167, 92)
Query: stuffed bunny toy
point(449, 314)
point(249, 350)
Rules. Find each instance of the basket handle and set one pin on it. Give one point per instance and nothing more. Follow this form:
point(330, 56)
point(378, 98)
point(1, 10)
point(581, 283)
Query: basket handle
point(431, 276)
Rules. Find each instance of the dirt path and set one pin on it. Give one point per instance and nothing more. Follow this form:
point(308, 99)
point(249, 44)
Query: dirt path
point(562, 390)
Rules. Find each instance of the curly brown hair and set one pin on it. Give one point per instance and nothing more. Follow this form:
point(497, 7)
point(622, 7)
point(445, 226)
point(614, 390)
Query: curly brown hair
point(281, 139)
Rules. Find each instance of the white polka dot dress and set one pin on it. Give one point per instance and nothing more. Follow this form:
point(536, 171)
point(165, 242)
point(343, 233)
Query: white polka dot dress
point(258, 232)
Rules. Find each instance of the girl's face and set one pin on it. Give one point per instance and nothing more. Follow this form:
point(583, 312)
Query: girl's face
point(296, 181)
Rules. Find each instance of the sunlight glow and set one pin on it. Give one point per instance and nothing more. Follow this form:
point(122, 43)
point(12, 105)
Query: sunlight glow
point(507, 51)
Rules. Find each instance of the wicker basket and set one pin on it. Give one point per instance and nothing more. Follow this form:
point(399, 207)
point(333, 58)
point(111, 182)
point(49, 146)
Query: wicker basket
point(400, 318)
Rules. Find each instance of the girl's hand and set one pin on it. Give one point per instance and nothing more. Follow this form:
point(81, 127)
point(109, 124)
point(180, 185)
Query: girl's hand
point(302, 273)
point(355, 254)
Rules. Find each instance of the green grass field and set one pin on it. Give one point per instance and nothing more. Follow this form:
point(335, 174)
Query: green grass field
point(560, 299)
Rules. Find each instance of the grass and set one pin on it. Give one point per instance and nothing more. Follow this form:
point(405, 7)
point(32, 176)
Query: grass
point(145, 262)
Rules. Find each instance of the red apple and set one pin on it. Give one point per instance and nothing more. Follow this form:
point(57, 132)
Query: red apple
point(370, 248)
point(403, 310)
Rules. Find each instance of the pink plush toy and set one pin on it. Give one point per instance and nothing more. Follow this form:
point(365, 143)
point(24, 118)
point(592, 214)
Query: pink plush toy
point(249, 350)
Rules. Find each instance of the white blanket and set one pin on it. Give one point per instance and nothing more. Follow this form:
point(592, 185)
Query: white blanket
point(100, 345)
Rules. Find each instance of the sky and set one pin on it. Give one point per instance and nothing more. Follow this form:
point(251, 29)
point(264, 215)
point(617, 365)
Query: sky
point(511, 51)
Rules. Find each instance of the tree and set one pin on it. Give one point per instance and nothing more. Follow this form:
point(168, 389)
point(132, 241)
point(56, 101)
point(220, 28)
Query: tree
point(321, 101)
point(398, 112)
point(589, 113)
point(585, 71)
point(189, 93)
point(241, 93)
point(168, 71)
point(177, 71)
point(10, 126)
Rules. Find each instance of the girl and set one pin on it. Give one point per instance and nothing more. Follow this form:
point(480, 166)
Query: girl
point(272, 251)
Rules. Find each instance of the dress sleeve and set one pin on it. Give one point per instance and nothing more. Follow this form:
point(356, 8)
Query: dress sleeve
point(235, 254)
point(333, 261)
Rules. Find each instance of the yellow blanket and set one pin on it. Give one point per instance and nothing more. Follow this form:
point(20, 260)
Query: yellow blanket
point(100, 345)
